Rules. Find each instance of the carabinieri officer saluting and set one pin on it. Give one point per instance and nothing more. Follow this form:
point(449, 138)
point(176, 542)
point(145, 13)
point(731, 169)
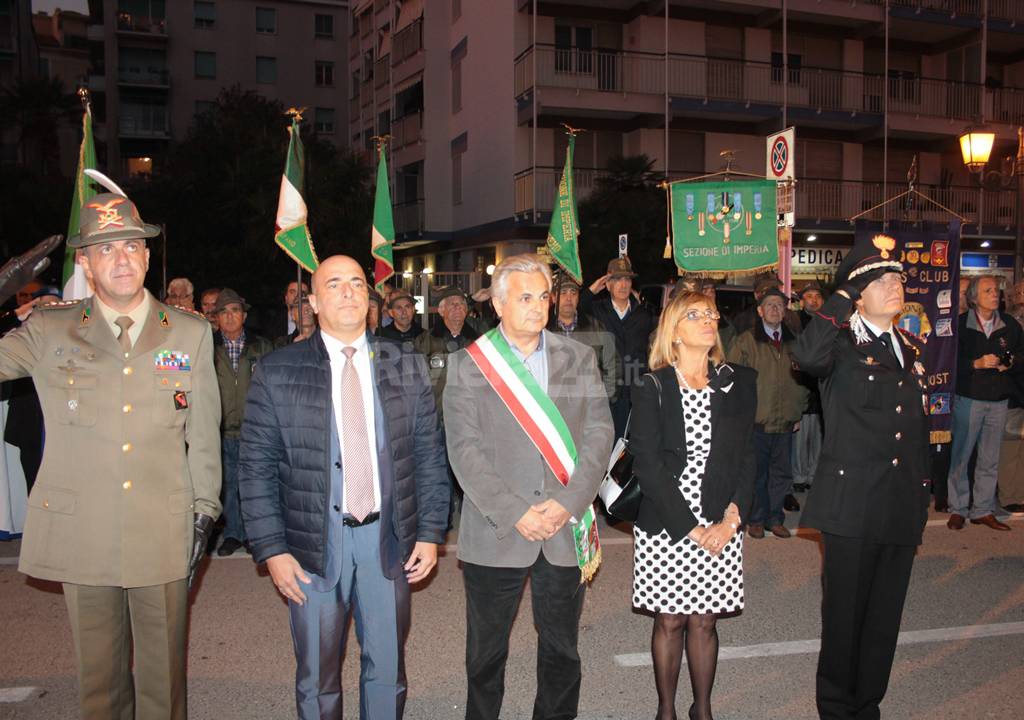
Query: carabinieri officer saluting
point(130, 477)
point(871, 489)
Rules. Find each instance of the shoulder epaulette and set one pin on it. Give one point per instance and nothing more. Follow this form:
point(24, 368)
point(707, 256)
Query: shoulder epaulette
point(187, 311)
point(58, 305)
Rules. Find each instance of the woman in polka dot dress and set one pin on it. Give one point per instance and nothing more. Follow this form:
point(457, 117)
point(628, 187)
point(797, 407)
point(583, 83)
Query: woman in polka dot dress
point(692, 442)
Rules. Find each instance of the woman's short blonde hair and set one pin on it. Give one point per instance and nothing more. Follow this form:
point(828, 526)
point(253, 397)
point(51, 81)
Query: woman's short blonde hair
point(662, 349)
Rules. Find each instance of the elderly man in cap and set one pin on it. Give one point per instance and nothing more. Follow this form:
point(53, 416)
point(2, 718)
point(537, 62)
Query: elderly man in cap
point(129, 485)
point(450, 334)
point(748, 318)
point(870, 493)
point(402, 308)
point(567, 319)
point(622, 314)
point(781, 400)
point(235, 354)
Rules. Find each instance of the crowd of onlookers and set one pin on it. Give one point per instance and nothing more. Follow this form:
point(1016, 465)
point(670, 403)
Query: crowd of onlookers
point(975, 477)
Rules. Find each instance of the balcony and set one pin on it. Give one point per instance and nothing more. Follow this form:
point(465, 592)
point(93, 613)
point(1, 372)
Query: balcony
point(817, 201)
point(407, 42)
point(546, 180)
point(407, 130)
point(145, 121)
point(836, 200)
point(408, 217)
point(745, 86)
point(149, 77)
point(143, 24)
point(382, 72)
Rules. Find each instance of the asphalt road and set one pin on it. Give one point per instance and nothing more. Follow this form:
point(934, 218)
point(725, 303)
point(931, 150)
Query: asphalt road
point(962, 652)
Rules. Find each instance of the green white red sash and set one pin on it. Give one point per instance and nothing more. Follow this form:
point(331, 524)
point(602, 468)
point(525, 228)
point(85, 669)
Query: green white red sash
point(529, 404)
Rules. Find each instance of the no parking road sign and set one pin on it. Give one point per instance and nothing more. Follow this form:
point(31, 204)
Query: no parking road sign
point(781, 149)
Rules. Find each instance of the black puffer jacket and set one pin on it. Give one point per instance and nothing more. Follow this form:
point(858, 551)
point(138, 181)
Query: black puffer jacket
point(286, 454)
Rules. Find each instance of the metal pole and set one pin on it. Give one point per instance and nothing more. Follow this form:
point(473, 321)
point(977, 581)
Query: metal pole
point(298, 300)
point(983, 71)
point(1018, 167)
point(785, 65)
point(667, 167)
point(533, 144)
point(885, 120)
point(163, 261)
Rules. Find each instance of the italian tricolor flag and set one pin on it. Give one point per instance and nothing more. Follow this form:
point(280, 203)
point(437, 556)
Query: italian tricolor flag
point(76, 286)
point(382, 237)
point(292, 233)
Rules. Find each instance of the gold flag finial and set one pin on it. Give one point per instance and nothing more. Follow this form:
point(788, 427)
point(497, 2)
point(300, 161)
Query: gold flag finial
point(381, 140)
point(295, 113)
point(572, 131)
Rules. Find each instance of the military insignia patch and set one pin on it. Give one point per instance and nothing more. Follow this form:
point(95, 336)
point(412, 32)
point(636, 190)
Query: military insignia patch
point(180, 401)
point(86, 315)
point(164, 320)
point(172, 361)
point(884, 244)
point(107, 214)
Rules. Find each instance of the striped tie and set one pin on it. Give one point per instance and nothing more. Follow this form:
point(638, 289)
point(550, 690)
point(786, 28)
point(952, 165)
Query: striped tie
point(355, 443)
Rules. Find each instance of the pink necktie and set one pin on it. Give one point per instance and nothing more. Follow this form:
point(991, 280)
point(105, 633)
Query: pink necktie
point(355, 444)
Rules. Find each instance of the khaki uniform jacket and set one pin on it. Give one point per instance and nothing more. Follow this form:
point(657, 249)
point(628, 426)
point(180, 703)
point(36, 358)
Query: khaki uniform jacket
point(132, 448)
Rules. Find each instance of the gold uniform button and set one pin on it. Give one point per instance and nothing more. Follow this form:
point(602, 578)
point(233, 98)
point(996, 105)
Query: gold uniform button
point(127, 408)
point(899, 409)
point(895, 462)
point(71, 381)
point(126, 447)
point(899, 436)
point(127, 484)
point(127, 371)
point(899, 384)
point(177, 384)
point(46, 503)
point(871, 377)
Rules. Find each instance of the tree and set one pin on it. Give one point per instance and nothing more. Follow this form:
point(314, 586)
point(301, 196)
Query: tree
point(36, 108)
point(218, 191)
point(625, 199)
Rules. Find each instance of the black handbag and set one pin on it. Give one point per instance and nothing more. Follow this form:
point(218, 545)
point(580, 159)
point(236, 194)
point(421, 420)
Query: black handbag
point(620, 490)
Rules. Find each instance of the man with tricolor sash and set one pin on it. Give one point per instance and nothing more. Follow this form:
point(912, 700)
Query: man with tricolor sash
point(529, 433)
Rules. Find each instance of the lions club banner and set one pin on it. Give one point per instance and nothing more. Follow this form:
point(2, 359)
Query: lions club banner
point(931, 294)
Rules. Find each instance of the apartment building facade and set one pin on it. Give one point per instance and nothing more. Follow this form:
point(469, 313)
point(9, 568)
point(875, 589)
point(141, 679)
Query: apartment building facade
point(158, 63)
point(474, 94)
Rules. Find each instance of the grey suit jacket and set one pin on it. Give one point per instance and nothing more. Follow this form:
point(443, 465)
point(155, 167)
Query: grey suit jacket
point(500, 469)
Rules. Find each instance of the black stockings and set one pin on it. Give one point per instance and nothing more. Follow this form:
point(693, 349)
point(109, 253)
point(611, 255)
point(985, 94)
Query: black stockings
point(700, 636)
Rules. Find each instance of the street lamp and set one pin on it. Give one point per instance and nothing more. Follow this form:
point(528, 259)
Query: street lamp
point(976, 147)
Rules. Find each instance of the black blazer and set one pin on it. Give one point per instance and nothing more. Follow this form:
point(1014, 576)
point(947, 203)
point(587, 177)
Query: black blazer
point(658, 443)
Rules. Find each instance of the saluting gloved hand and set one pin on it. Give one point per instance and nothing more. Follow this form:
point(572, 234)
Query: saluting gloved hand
point(202, 527)
point(855, 286)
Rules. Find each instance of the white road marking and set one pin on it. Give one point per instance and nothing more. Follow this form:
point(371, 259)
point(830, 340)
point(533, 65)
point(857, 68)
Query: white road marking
point(16, 694)
point(800, 647)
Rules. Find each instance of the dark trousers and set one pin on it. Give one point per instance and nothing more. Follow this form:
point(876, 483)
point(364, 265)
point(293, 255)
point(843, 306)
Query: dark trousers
point(864, 585)
point(492, 599)
point(620, 411)
point(774, 476)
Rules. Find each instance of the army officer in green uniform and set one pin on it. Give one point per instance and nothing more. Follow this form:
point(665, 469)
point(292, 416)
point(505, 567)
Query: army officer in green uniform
point(130, 477)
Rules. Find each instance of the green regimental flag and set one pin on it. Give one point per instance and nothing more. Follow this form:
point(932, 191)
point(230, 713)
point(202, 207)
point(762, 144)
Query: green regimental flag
point(75, 286)
point(291, 232)
point(724, 227)
point(563, 235)
point(382, 236)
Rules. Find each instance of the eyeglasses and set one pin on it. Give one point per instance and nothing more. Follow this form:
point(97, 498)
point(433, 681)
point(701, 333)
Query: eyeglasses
point(695, 315)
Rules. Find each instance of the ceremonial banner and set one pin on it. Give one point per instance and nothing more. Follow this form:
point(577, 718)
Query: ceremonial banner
point(382, 236)
point(75, 286)
point(724, 227)
point(931, 295)
point(291, 231)
point(563, 235)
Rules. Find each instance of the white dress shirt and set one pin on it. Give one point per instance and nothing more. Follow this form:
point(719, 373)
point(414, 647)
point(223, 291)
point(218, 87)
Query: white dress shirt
point(893, 340)
point(362, 360)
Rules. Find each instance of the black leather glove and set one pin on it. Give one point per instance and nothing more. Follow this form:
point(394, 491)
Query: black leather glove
point(202, 528)
point(20, 271)
point(855, 286)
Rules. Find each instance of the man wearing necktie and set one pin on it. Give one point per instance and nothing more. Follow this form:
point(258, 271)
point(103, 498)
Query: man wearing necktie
point(871, 489)
point(128, 488)
point(781, 401)
point(345, 493)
